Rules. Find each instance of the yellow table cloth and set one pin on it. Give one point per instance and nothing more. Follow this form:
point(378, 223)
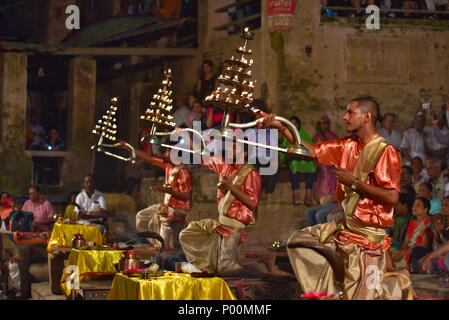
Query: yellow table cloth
point(90, 262)
point(171, 286)
point(62, 234)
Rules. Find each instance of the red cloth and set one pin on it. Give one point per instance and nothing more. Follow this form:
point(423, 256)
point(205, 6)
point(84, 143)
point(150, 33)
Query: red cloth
point(183, 182)
point(386, 174)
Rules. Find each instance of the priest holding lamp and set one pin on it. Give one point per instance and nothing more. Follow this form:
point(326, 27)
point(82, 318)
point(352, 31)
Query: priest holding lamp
point(368, 170)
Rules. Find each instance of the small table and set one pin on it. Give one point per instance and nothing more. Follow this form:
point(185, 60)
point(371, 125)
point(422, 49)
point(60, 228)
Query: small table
point(171, 286)
point(63, 232)
point(90, 262)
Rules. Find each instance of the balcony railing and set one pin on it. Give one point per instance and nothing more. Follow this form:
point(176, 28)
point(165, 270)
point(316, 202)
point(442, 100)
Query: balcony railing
point(248, 12)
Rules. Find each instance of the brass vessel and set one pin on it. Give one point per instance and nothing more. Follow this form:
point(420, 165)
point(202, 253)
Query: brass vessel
point(131, 261)
point(78, 240)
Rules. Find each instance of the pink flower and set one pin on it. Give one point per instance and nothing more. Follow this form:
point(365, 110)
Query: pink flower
point(315, 295)
point(78, 235)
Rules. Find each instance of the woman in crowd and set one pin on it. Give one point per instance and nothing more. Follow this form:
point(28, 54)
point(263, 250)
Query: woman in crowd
point(298, 167)
point(418, 238)
point(191, 99)
point(199, 115)
point(326, 181)
point(208, 81)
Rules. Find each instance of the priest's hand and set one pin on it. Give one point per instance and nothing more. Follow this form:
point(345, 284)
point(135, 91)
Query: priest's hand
point(343, 176)
point(268, 120)
point(225, 184)
point(122, 144)
point(163, 189)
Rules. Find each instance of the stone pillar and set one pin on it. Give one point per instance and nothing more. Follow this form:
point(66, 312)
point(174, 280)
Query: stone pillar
point(15, 173)
point(80, 121)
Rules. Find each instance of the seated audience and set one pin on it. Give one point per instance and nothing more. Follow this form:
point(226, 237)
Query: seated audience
point(419, 172)
point(402, 217)
point(198, 115)
point(326, 181)
point(42, 210)
point(34, 132)
point(191, 99)
point(413, 140)
point(387, 131)
point(437, 178)
point(435, 149)
point(181, 114)
point(438, 259)
point(53, 142)
point(214, 117)
point(407, 178)
point(91, 204)
point(418, 238)
point(318, 214)
point(7, 206)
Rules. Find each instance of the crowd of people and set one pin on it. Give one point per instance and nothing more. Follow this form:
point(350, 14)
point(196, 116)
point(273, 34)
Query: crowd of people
point(430, 5)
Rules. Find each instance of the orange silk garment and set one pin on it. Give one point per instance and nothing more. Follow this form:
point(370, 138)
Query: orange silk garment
point(386, 174)
point(251, 186)
point(183, 182)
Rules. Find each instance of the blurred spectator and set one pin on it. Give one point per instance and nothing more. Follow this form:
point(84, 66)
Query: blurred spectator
point(8, 264)
point(181, 114)
point(432, 4)
point(199, 115)
point(407, 178)
point(42, 210)
point(305, 167)
point(418, 238)
point(402, 217)
point(387, 131)
point(318, 214)
point(7, 206)
point(34, 132)
point(214, 117)
point(412, 144)
point(208, 81)
point(52, 141)
point(433, 135)
point(192, 114)
point(326, 182)
point(419, 172)
point(133, 178)
point(441, 135)
point(262, 157)
point(91, 203)
point(69, 212)
point(437, 178)
point(168, 9)
point(425, 190)
point(438, 260)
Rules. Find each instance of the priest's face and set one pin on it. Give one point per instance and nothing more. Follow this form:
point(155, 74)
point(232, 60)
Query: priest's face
point(354, 118)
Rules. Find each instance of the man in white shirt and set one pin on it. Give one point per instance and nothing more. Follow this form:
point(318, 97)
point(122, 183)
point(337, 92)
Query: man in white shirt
point(387, 131)
point(432, 139)
point(437, 178)
point(92, 203)
point(412, 144)
point(181, 114)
